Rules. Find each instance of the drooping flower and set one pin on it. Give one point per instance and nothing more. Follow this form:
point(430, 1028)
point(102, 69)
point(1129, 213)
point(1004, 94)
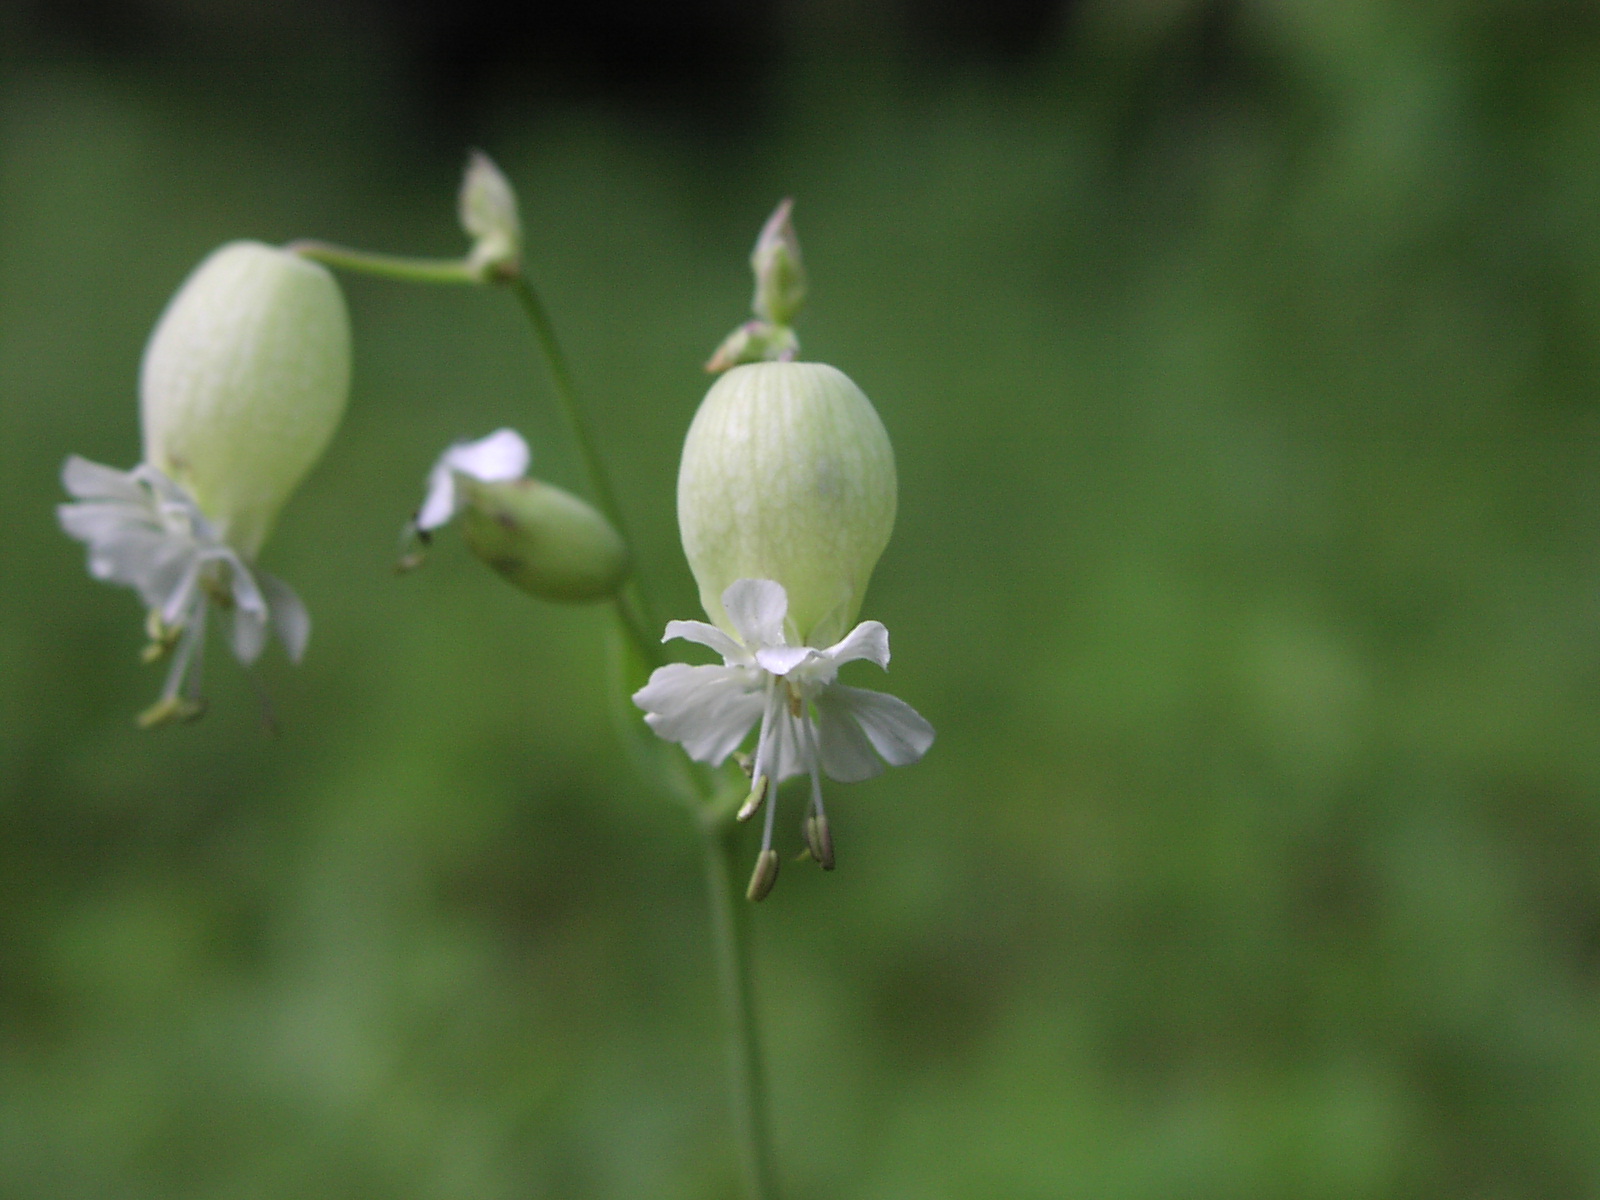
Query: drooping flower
point(810, 724)
point(145, 532)
point(243, 383)
point(544, 540)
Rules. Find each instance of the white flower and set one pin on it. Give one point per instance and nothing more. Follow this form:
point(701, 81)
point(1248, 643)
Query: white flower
point(810, 723)
point(501, 456)
point(145, 532)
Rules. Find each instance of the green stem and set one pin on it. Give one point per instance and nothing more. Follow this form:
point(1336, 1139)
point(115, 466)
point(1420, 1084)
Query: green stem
point(730, 921)
point(633, 604)
point(633, 625)
point(567, 398)
point(388, 266)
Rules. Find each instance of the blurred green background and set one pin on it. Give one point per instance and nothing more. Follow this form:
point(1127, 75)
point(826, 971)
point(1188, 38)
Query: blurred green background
point(1241, 361)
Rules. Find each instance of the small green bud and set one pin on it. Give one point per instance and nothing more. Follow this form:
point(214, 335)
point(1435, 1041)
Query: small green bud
point(787, 475)
point(488, 209)
point(780, 275)
point(545, 540)
point(244, 382)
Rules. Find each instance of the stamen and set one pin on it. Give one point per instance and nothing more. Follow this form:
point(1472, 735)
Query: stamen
point(759, 768)
point(818, 836)
point(180, 695)
point(764, 876)
point(758, 792)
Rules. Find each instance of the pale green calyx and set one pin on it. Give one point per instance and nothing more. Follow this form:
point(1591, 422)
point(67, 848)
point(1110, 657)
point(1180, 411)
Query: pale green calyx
point(787, 475)
point(243, 383)
point(488, 210)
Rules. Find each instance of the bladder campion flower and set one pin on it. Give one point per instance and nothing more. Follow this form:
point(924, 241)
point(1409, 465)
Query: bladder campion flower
point(786, 498)
point(243, 383)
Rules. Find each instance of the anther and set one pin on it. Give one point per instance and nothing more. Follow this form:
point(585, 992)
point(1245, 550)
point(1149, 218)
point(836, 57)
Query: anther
point(819, 840)
point(169, 709)
point(764, 876)
point(752, 802)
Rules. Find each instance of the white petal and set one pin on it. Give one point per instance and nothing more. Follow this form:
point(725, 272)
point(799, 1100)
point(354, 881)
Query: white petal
point(892, 727)
point(708, 710)
point(249, 635)
point(101, 520)
point(247, 595)
point(184, 596)
point(869, 640)
point(289, 615)
point(757, 608)
point(896, 730)
point(165, 569)
point(500, 456)
point(788, 751)
point(249, 609)
point(708, 635)
point(846, 753)
point(87, 480)
point(439, 505)
point(780, 660)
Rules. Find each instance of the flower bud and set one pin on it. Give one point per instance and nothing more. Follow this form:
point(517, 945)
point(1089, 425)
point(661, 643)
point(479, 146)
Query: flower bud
point(780, 275)
point(545, 540)
point(488, 211)
point(787, 475)
point(243, 383)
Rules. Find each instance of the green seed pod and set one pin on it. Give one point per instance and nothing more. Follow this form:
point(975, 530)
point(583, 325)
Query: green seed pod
point(787, 475)
point(546, 541)
point(244, 382)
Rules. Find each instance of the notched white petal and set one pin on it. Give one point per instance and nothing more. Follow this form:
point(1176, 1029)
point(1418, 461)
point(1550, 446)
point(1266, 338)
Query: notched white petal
point(847, 755)
point(249, 635)
point(757, 608)
point(708, 710)
point(780, 660)
point(289, 616)
point(896, 730)
point(868, 640)
point(85, 480)
point(708, 635)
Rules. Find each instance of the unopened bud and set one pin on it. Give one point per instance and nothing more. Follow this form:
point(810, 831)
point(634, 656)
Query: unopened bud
point(488, 209)
point(764, 876)
point(780, 275)
point(541, 538)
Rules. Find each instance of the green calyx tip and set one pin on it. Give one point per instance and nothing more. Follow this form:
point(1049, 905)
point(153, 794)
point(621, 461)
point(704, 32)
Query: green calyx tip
point(780, 292)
